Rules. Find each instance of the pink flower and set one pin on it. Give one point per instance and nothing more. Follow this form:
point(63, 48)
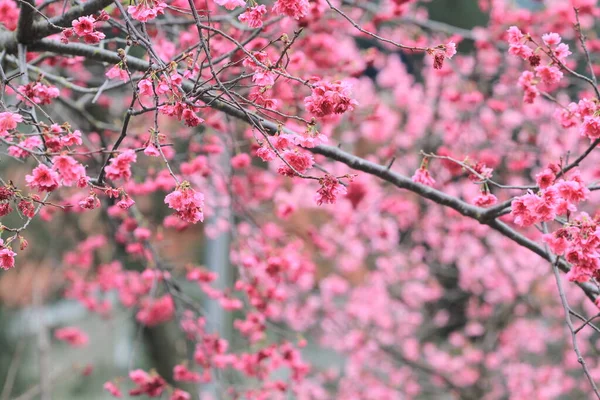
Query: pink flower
point(117, 72)
point(113, 389)
point(176, 79)
point(520, 50)
point(9, 14)
point(548, 74)
point(7, 258)
point(330, 190)
point(586, 107)
point(72, 139)
point(485, 200)
point(5, 209)
point(43, 179)
point(84, 25)
point(145, 87)
point(120, 166)
point(450, 49)
point(526, 82)
point(182, 374)
point(423, 176)
point(514, 35)
point(253, 16)
point(551, 39)
point(94, 37)
point(568, 117)
point(73, 336)
point(147, 10)
point(299, 161)
point(30, 143)
point(292, 8)
point(151, 150)
point(590, 127)
point(530, 208)
point(330, 98)
point(156, 311)
point(8, 122)
point(26, 208)
point(190, 118)
point(150, 385)
point(6, 193)
point(265, 153)
point(264, 78)
point(69, 169)
point(90, 202)
point(240, 161)
point(179, 394)
point(38, 93)
point(574, 190)
point(557, 241)
point(187, 202)
point(231, 4)
point(545, 178)
point(562, 52)
point(310, 138)
point(125, 203)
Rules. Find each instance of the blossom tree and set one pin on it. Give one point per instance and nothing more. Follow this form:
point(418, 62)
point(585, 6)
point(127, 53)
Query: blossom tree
point(433, 223)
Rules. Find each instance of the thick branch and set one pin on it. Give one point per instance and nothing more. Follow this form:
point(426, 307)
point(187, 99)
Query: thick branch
point(41, 29)
point(25, 24)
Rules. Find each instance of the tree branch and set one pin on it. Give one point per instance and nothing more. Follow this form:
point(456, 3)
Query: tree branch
point(25, 24)
point(334, 153)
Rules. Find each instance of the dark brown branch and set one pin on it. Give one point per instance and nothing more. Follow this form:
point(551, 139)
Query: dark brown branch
point(25, 24)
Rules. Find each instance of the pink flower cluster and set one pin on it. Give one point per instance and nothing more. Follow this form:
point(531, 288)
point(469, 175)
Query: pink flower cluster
point(147, 10)
point(330, 98)
point(85, 27)
point(550, 74)
point(117, 71)
point(330, 190)
point(43, 179)
point(120, 166)
point(187, 202)
point(183, 112)
point(299, 161)
point(38, 93)
point(253, 16)
point(70, 171)
point(156, 311)
point(262, 77)
point(7, 257)
point(7, 193)
point(485, 200)
point(423, 176)
point(517, 47)
point(579, 243)
point(442, 52)
point(559, 198)
point(151, 385)
point(292, 8)
point(527, 83)
point(182, 374)
point(72, 335)
point(8, 122)
point(56, 139)
point(9, 14)
point(24, 148)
